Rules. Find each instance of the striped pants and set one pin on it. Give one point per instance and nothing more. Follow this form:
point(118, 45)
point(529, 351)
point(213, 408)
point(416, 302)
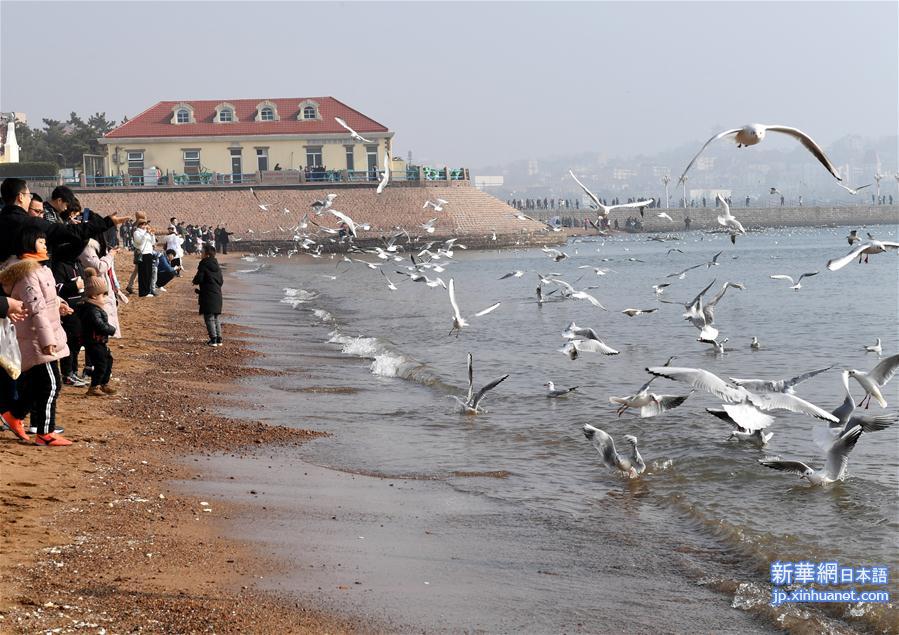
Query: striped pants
point(39, 389)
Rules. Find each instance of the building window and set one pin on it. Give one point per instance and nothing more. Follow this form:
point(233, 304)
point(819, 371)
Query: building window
point(136, 167)
point(191, 161)
point(262, 159)
point(371, 153)
point(309, 112)
point(350, 162)
point(226, 115)
point(267, 114)
point(313, 156)
point(183, 116)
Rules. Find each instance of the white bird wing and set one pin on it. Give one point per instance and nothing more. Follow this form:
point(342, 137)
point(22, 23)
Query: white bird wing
point(785, 401)
point(838, 454)
point(634, 204)
point(701, 380)
point(489, 309)
point(748, 416)
point(586, 191)
point(661, 403)
point(346, 219)
point(594, 346)
point(838, 263)
point(470, 379)
point(884, 371)
point(757, 385)
point(452, 296)
point(604, 445)
point(782, 276)
point(794, 467)
point(355, 134)
point(483, 391)
point(808, 275)
point(583, 295)
point(386, 178)
point(720, 135)
point(798, 379)
point(810, 145)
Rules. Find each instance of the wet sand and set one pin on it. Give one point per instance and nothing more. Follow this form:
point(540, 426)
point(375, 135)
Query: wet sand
point(95, 537)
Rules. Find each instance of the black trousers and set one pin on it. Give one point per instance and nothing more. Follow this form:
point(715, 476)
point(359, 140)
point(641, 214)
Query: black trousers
point(101, 358)
point(72, 326)
point(223, 245)
point(40, 388)
point(145, 274)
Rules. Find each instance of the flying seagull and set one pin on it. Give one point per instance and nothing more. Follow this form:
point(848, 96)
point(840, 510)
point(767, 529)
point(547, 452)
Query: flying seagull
point(777, 385)
point(862, 250)
point(603, 210)
point(386, 176)
point(754, 133)
point(263, 206)
point(632, 465)
point(875, 379)
point(458, 321)
point(856, 190)
point(472, 403)
point(796, 284)
point(437, 205)
point(665, 215)
point(852, 238)
point(834, 465)
point(512, 274)
point(635, 312)
point(739, 432)
point(355, 135)
point(319, 207)
point(728, 221)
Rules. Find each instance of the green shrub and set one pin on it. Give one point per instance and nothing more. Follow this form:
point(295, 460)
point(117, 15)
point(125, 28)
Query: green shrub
point(32, 168)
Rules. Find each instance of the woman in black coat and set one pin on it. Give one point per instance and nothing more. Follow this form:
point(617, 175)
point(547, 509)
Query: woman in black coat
point(209, 278)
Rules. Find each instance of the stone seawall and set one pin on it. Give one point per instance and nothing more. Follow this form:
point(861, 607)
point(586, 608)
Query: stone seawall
point(752, 217)
point(468, 213)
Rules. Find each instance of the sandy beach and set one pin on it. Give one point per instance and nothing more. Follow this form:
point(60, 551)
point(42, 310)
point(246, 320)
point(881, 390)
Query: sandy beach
point(94, 537)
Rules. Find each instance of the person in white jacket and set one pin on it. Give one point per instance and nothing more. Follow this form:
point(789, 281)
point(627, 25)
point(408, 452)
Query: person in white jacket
point(174, 242)
point(144, 244)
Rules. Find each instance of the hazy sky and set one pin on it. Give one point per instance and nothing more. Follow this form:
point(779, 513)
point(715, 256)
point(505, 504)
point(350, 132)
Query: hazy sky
point(474, 83)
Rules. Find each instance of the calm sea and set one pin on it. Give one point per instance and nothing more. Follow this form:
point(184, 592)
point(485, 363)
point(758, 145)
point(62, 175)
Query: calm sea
point(556, 541)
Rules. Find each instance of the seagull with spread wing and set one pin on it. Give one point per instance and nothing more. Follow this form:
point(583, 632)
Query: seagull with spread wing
point(835, 463)
point(856, 190)
point(355, 135)
point(729, 222)
point(751, 134)
point(471, 405)
point(458, 321)
point(875, 379)
point(631, 466)
point(863, 250)
point(777, 385)
point(603, 210)
point(385, 178)
point(796, 284)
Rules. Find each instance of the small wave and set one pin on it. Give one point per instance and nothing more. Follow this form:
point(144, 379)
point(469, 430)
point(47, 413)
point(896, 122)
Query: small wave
point(256, 269)
point(296, 297)
point(387, 361)
point(323, 315)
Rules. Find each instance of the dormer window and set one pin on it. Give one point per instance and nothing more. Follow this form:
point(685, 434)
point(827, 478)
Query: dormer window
point(266, 111)
point(182, 113)
point(308, 111)
point(225, 113)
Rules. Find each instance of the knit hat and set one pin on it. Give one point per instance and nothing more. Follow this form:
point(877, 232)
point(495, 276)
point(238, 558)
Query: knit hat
point(139, 216)
point(94, 283)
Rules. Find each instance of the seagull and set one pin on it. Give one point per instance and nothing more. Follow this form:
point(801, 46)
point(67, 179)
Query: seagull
point(777, 385)
point(472, 403)
point(604, 210)
point(845, 413)
point(386, 176)
point(632, 466)
point(355, 135)
point(429, 226)
point(728, 221)
point(650, 404)
point(390, 285)
point(719, 346)
point(835, 463)
point(876, 348)
point(714, 261)
point(458, 321)
point(636, 312)
point(584, 340)
point(862, 250)
point(856, 190)
point(796, 284)
point(668, 253)
point(263, 206)
point(852, 237)
point(319, 207)
point(743, 406)
point(570, 292)
point(512, 274)
point(754, 133)
point(683, 273)
point(665, 215)
point(660, 288)
point(555, 254)
point(553, 392)
point(599, 271)
point(739, 432)
point(437, 205)
point(774, 190)
point(874, 379)
point(349, 222)
point(755, 344)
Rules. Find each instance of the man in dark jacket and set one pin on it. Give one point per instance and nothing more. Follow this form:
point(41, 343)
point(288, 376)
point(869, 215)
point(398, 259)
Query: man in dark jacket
point(209, 277)
point(14, 218)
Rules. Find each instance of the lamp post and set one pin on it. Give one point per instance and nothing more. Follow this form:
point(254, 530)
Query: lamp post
point(877, 177)
point(666, 180)
point(683, 180)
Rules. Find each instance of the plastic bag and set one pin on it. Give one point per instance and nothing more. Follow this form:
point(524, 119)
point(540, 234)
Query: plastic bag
point(10, 355)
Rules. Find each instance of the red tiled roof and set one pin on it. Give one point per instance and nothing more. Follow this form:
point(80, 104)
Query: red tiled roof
point(156, 120)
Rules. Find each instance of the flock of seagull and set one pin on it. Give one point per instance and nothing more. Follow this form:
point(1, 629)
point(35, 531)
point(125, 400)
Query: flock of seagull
point(746, 403)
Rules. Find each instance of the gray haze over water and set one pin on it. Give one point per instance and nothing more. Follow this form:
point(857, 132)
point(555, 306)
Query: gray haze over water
point(475, 84)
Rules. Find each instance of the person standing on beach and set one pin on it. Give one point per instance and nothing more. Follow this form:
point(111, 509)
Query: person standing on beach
point(210, 280)
point(144, 241)
point(96, 331)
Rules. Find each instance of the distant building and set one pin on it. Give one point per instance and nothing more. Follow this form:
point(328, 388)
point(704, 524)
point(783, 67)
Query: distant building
point(9, 147)
point(482, 182)
point(234, 137)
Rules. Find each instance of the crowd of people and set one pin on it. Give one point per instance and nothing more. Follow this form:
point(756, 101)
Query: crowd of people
point(61, 293)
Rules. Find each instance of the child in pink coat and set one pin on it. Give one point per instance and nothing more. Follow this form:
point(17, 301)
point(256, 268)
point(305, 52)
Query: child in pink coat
point(42, 340)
